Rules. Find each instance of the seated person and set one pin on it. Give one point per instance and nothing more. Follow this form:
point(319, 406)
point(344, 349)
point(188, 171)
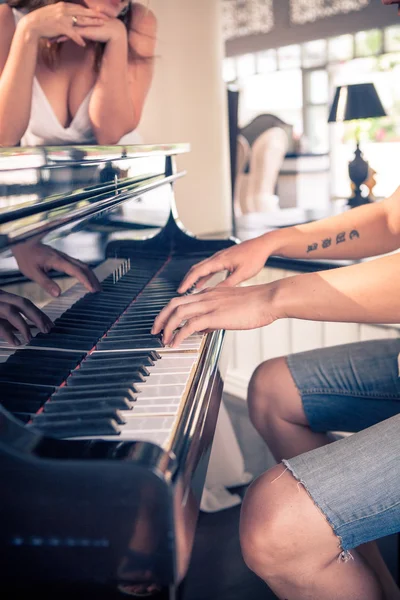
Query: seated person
point(74, 73)
point(308, 525)
point(35, 260)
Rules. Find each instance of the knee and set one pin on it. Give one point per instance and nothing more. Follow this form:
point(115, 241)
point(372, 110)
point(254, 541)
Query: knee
point(276, 518)
point(266, 529)
point(264, 389)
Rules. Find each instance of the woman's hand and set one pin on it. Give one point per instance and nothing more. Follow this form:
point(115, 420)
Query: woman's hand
point(110, 29)
point(62, 20)
point(216, 308)
point(242, 261)
point(35, 260)
point(14, 311)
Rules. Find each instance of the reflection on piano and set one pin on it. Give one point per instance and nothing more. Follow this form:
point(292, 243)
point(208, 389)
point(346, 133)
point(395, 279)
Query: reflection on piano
point(105, 434)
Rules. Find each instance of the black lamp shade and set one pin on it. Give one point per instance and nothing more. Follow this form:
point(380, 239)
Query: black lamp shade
point(358, 101)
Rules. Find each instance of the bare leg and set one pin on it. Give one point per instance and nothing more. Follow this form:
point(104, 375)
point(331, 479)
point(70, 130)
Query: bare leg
point(276, 411)
point(287, 542)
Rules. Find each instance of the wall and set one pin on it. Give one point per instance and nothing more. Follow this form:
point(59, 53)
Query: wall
point(284, 33)
point(188, 103)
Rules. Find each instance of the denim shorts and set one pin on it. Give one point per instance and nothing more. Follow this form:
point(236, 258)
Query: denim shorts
point(355, 481)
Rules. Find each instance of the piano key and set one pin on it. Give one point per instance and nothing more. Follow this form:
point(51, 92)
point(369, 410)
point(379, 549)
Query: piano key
point(83, 377)
point(65, 429)
point(147, 343)
point(46, 418)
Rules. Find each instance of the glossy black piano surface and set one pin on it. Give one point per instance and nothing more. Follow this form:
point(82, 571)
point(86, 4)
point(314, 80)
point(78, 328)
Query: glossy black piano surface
point(105, 434)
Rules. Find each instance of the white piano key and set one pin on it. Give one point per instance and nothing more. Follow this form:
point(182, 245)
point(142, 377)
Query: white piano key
point(161, 391)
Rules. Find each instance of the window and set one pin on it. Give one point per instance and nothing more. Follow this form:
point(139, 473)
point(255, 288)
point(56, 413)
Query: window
point(369, 42)
point(341, 48)
point(392, 39)
point(314, 53)
point(267, 61)
point(297, 82)
point(246, 65)
point(289, 57)
point(229, 70)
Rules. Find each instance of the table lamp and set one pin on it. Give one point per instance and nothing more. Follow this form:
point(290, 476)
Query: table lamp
point(351, 102)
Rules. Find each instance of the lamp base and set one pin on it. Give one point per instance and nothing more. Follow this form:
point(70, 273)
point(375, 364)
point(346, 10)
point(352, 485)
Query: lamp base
point(358, 172)
point(358, 200)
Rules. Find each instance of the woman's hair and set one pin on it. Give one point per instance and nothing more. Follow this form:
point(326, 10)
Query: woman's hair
point(50, 52)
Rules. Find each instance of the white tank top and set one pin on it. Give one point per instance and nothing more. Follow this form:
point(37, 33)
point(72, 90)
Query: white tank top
point(44, 128)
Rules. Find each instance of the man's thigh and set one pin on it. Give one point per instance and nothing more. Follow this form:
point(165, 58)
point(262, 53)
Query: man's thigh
point(349, 387)
point(356, 482)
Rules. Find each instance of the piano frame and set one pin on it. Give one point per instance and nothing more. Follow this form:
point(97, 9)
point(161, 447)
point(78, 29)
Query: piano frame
point(146, 499)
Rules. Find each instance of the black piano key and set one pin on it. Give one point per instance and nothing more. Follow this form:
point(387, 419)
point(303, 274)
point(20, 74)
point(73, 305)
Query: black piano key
point(23, 398)
point(95, 390)
point(31, 356)
point(23, 416)
point(148, 342)
point(65, 342)
point(153, 355)
point(121, 332)
point(16, 390)
point(77, 415)
point(27, 368)
point(26, 405)
point(117, 363)
point(81, 377)
point(76, 428)
point(114, 371)
point(69, 404)
point(82, 329)
point(37, 377)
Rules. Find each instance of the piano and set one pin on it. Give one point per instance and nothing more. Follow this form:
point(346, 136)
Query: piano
point(105, 434)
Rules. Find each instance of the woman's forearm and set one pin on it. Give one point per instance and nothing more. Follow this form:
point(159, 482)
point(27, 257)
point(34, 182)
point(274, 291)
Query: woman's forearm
point(16, 86)
point(365, 231)
point(112, 96)
point(364, 293)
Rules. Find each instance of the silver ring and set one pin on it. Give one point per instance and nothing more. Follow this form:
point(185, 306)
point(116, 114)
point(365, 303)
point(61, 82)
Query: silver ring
point(74, 21)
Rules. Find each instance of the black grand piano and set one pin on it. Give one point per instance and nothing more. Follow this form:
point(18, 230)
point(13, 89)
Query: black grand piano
point(105, 434)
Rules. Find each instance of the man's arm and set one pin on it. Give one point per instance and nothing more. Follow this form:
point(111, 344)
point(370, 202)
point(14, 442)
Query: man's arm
point(361, 232)
point(364, 293)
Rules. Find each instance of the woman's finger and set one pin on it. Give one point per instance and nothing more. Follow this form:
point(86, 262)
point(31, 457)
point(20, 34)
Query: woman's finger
point(95, 285)
point(80, 271)
point(75, 37)
point(7, 333)
point(18, 322)
point(30, 311)
point(83, 21)
point(77, 10)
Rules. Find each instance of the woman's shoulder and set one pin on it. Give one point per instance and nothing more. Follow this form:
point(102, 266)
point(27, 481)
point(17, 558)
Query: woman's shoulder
point(6, 16)
point(143, 19)
point(7, 28)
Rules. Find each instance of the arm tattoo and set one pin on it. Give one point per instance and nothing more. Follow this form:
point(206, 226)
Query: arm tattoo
point(340, 239)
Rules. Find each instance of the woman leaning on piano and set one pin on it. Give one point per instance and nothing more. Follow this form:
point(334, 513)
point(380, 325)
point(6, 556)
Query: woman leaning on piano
point(70, 73)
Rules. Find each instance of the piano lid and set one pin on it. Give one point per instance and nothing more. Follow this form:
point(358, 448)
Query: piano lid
point(46, 189)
